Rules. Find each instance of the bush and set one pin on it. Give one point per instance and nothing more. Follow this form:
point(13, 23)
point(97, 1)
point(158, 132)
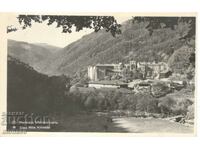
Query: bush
point(146, 103)
point(160, 89)
point(90, 102)
point(171, 106)
point(165, 104)
point(115, 100)
point(180, 59)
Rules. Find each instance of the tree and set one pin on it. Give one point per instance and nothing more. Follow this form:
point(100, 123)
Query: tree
point(67, 22)
point(166, 105)
point(181, 59)
point(192, 59)
point(90, 102)
point(107, 22)
point(155, 23)
point(168, 22)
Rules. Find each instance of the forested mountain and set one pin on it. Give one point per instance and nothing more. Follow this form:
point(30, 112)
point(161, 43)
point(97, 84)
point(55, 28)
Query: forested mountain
point(30, 91)
point(134, 43)
point(32, 54)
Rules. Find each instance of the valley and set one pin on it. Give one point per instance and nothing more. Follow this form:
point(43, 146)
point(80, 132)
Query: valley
point(133, 82)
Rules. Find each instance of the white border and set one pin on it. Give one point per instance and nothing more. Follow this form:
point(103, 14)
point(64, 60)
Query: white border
point(104, 6)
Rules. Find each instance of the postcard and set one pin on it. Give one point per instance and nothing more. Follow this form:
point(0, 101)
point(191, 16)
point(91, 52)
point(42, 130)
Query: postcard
point(129, 74)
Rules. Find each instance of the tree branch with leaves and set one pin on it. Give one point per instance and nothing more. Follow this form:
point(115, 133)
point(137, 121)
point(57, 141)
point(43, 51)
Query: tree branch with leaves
point(97, 23)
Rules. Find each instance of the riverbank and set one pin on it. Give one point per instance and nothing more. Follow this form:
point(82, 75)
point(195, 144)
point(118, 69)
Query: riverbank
point(152, 125)
point(87, 122)
point(107, 123)
point(90, 122)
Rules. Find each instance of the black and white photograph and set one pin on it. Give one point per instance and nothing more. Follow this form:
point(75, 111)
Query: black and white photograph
point(113, 73)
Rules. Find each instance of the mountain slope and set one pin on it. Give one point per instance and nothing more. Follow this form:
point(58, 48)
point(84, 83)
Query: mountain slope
point(32, 54)
point(30, 91)
point(134, 43)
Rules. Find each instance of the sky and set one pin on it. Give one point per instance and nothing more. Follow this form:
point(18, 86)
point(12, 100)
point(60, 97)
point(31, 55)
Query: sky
point(42, 33)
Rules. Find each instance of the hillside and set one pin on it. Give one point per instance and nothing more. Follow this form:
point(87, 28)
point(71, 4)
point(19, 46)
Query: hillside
point(134, 43)
point(30, 91)
point(32, 54)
